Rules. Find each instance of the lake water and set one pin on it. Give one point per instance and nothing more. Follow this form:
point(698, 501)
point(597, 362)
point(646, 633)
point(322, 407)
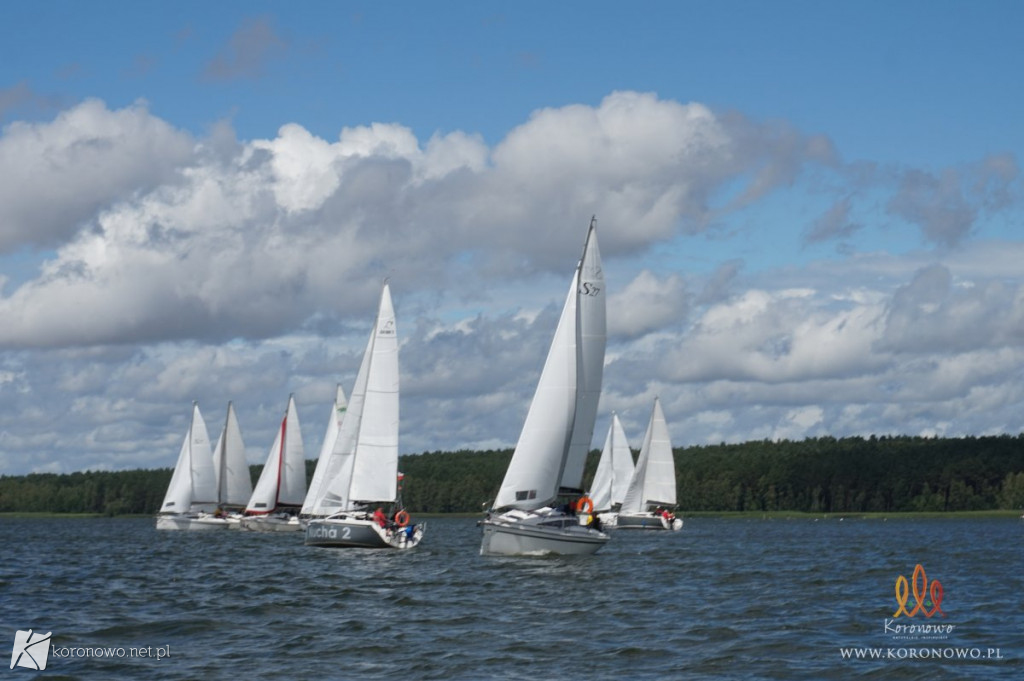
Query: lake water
point(723, 599)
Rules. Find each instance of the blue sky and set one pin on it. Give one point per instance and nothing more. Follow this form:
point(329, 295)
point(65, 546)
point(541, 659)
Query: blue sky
point(810, 215)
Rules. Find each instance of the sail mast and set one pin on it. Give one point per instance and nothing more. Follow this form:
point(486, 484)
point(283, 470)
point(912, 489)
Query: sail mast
point(280, 457)
point(556, 434)
point(590, 339)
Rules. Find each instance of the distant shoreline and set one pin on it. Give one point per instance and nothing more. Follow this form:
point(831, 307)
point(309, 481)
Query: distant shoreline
point(726, 515)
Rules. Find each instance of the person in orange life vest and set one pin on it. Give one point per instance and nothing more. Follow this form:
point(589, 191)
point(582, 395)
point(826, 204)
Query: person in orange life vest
point(380, 518)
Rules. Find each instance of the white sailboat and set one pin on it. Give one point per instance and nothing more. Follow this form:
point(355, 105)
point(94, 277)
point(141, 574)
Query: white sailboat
point(193, 486)
point(552, 449)
point(652, 490)
point(312, 506)
point(234, 483)
point(614, 471)
point(279, 492)
point(361, 476)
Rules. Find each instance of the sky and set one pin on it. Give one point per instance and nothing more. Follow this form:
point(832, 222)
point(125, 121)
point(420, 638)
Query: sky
point(810, 217)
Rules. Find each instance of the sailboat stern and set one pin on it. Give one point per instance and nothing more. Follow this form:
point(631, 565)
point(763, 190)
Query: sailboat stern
point(360, 530)
point(648, 521)
point(522, 533)
point(183, 521)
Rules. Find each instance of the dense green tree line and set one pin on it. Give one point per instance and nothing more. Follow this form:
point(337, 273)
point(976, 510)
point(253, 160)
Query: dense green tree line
point(853, 475)
point(848, 475)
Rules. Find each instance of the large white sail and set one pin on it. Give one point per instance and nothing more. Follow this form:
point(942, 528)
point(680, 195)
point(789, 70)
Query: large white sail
point(364, 462)
point(375, 469)
point(590, 347)
point(283, 480)
point(560, 422)
point(531, 480)
point(339, 472)
point(264, 495)
point(614, 469)
point(318, 485)
point(293, 469)
point(193, 483)
point(234, 484)
point(654, 480)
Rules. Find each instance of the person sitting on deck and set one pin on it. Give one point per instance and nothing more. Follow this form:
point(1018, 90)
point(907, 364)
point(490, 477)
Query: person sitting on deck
point(380, 518)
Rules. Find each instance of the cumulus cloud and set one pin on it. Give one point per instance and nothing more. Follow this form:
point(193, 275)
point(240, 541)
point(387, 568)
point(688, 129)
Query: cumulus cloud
point(219, 269)
point(775, 337)
point(936, 313)
point(58, 175)
point(213, 239)
point(646, 304)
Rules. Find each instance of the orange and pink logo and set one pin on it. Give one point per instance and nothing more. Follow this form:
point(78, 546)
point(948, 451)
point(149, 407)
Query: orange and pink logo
point(927, 595)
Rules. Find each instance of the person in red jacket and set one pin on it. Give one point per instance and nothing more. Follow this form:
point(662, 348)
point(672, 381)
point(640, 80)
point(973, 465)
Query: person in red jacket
point(380, 518)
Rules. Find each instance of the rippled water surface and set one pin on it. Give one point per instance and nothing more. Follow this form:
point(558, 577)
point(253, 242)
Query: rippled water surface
point(723, 599)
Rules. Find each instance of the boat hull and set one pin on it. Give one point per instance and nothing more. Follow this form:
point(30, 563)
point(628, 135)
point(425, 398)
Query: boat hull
point(270, 524)
point(517, 534)
point(190, 522)
point(647, 521)
point(360, 532)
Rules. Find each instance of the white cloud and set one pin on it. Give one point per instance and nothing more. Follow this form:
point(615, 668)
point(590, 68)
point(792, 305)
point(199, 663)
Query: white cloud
point(218, 269)
point(57, 175)
point(646, 304)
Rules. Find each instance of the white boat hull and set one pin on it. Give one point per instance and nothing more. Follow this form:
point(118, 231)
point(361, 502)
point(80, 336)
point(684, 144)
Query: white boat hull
point(263, 523)
point(519, 533)
point(360, 531)
point(646, 521)
point(181, 521)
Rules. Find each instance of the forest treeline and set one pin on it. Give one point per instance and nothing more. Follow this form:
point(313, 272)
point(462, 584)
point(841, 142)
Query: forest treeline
point(825, 475)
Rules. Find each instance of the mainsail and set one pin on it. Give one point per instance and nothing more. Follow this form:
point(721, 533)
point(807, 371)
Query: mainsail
point(193, 484)
point(283, 480)
point(364, 462)
point(234, 484)
point(318, 485)
point(654, 480)
point(559, 425)
point(614, 469)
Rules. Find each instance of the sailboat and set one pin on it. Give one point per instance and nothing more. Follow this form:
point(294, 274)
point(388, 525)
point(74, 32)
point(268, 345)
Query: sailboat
point(361, 476)
point(652, 490)
point(193, 486)
point(279, 492)
point(548, 459)
point(312, 505)
point(234, 484)
point(614, 471)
